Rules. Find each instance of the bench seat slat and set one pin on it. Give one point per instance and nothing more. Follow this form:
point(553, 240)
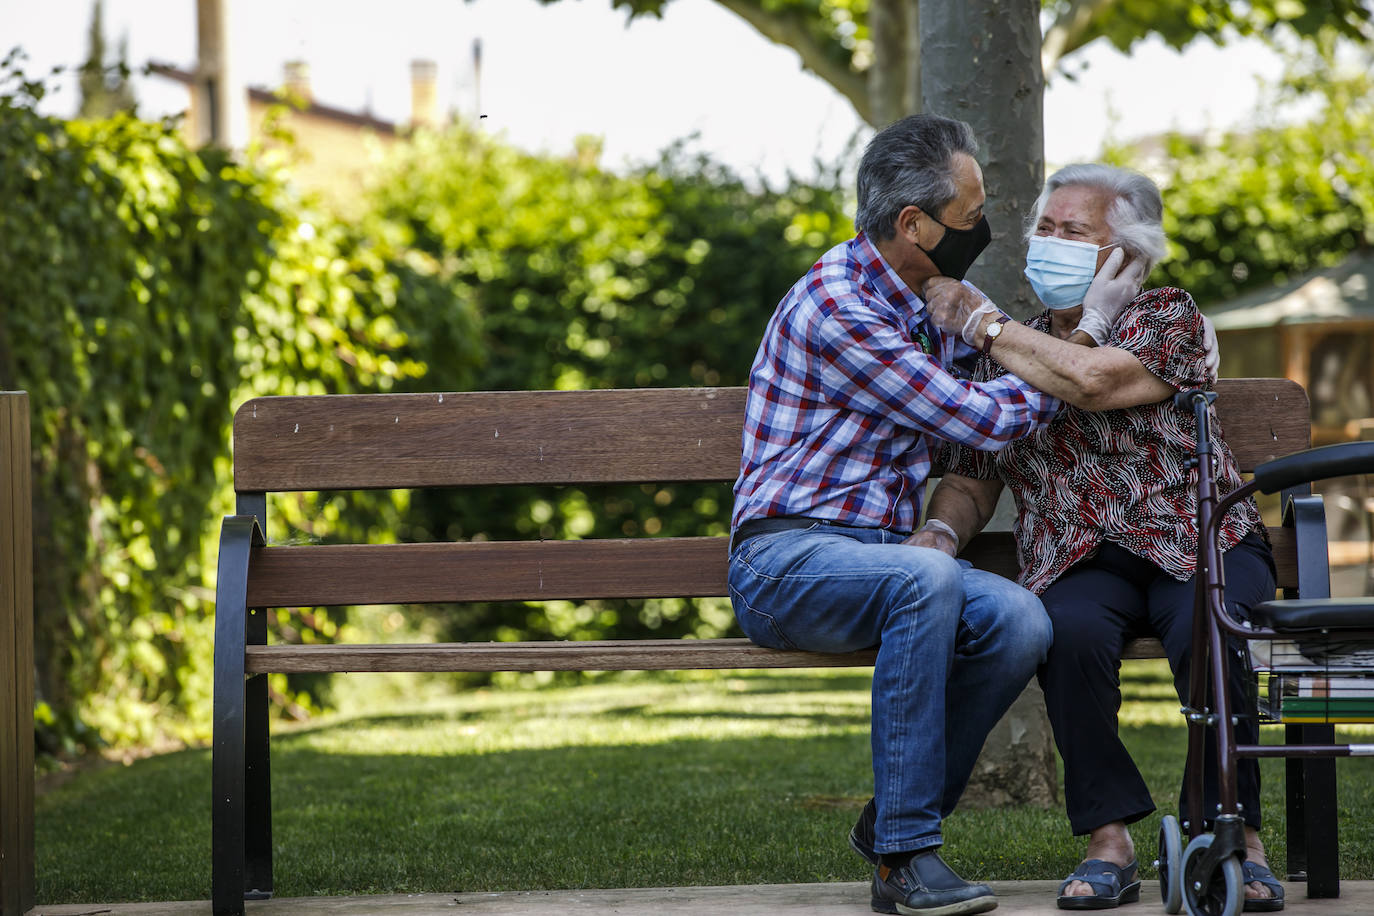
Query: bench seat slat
point(603, 655)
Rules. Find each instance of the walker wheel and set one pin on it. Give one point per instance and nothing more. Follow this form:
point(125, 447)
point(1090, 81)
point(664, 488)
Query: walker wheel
point(1170, 864)
point(1216, 891)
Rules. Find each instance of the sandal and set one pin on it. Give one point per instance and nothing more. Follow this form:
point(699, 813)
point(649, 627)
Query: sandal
point(1253, 871)
point(1112, 885)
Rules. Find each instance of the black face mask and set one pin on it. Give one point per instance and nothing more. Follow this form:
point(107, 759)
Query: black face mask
point(954, 254)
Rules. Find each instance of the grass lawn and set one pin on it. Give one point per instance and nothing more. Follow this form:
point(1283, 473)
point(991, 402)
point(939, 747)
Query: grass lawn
point(633, 781)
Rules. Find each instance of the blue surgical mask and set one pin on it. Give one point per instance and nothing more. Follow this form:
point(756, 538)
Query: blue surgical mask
point(1060, 271)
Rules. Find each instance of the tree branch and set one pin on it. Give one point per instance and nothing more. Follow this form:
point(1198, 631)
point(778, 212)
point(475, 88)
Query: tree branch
point(887, 76)
point(1070, 31)
point(790, 31)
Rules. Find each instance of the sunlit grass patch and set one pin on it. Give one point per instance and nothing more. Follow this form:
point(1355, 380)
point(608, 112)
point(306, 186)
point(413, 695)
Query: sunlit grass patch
point(634, 780)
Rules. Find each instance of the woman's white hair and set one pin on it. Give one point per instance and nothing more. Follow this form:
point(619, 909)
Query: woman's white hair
point(1135, 215)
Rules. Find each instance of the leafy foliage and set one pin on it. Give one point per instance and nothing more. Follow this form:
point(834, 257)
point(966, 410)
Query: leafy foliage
point(835, 42)
point(586, 279)
point(1179, 22)
point(104, 89)
point(1255, 208)
point(147, 288)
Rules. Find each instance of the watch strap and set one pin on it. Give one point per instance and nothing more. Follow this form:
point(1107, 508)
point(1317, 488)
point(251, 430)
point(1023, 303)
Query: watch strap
point(989, 335)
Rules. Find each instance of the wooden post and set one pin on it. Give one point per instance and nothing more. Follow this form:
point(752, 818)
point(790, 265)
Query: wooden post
point(16, 657)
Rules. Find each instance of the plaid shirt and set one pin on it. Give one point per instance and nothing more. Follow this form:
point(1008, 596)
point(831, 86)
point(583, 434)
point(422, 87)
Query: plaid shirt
point(850, 384)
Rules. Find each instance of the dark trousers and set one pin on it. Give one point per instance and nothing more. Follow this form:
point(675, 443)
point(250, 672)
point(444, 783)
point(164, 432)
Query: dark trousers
point(1096, 607)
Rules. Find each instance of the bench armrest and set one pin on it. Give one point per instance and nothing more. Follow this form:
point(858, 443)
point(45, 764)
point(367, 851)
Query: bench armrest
point(1306, 515)
point(1340, 460)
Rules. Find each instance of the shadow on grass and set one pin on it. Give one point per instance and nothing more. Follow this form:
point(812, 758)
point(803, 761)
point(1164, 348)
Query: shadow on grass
point(381, 817)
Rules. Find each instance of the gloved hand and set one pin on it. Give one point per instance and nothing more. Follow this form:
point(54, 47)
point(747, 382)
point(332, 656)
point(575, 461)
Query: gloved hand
point(975, 320)
point(956, 308)
point(936, 535)
point(1212, 357)
point(1111, 290)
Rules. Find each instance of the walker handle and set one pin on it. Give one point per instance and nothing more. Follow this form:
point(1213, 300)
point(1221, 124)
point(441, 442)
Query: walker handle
point(1339, 460)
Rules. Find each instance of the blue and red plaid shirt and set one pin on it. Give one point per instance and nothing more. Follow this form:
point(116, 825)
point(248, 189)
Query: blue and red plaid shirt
point(850, 384)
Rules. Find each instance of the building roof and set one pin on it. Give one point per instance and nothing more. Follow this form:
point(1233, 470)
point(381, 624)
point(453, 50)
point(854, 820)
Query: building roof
point(1341, 293)
point(270, 97)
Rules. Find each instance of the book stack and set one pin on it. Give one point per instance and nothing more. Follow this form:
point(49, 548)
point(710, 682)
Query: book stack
point(1345, 699)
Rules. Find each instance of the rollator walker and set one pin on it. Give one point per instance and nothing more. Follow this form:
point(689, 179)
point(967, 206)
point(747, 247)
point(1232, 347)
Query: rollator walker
point(1312, 659)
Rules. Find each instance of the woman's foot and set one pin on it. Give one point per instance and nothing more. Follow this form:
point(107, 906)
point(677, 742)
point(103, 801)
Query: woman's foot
point(1254, 852)
point(1110, 843)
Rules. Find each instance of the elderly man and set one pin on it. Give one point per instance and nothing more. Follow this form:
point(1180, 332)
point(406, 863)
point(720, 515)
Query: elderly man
point(850, 395)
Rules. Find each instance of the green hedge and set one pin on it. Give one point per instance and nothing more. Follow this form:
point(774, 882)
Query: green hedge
point(146, 289)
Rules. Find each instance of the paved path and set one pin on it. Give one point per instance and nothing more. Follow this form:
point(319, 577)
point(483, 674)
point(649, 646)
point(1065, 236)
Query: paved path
point(1017, 898)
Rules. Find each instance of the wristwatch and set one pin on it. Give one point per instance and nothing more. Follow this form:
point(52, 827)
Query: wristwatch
point(991, 334)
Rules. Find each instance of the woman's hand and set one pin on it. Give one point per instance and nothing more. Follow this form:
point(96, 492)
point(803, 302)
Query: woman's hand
point(1115, 285)
point(936, 535)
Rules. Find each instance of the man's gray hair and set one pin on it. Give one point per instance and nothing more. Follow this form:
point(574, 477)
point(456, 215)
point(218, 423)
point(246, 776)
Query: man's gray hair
point(1135, 216)
point(910, 161)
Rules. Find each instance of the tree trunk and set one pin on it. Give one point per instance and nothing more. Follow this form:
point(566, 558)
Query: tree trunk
point(980, 63)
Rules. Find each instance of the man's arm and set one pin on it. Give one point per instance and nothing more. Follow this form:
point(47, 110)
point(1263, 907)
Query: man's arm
point(964, 504)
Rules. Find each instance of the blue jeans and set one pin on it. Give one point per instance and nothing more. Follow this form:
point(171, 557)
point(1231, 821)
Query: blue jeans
point(956, 647)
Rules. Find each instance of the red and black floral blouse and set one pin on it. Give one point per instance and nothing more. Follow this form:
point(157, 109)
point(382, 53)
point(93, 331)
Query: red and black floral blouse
point(1115, 475)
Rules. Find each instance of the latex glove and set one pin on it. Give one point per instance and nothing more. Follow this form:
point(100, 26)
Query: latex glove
point(951, 304)
point(936, 535)
point(975, 321)
point(1211, 352)
point(1112, 289)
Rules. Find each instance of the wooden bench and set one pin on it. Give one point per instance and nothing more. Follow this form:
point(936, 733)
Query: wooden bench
point(485, 439)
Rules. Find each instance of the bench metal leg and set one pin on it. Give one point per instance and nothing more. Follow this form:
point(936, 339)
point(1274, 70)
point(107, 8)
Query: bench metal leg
point(228, 840)
point(257, 774)
point(227, 778)
point(1313, 853)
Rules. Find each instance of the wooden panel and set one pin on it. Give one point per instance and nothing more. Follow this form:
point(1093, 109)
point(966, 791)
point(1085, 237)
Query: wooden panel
point(488, 571)
point(615, 435)
point(474, 438)
point(1148, 647)
point(1263, 418)
point(591, 655)
point(995, 551)
point(16, 658)
point(605, 655)
point(361, 574)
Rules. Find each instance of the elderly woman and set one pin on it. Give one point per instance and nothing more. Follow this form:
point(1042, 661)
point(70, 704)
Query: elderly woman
point(1105, 525)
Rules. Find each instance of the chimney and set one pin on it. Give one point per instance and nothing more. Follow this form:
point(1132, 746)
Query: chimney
point(296, 79)
point(424, 104)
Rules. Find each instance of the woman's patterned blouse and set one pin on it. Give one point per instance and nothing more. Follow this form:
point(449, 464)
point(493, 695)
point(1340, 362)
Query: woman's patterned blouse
point(1116, 475)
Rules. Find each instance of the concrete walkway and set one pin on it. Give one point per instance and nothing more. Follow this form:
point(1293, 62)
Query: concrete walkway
point(1017, 898)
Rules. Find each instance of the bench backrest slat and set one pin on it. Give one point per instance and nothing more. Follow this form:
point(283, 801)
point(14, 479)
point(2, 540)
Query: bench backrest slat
point(354, 442)
point(484, 438)
point(348, 442)
point(487, 571)
point(354, 574)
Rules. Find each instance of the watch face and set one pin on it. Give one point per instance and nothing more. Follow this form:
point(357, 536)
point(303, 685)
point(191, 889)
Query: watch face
point(991, 334)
